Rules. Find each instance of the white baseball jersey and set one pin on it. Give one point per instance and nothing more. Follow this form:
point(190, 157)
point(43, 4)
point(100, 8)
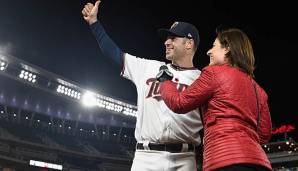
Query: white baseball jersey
point(155, 121)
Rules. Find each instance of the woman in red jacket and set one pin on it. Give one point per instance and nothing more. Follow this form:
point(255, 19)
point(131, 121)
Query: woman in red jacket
point(235, 111)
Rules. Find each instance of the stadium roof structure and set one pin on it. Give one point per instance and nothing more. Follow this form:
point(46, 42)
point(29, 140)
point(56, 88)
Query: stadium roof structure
point(30, 87)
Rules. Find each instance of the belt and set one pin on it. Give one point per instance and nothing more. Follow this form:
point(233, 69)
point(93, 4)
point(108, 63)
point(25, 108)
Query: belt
point(173, 148)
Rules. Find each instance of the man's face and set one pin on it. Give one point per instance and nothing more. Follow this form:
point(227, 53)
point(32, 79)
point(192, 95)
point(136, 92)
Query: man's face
point(175, 47)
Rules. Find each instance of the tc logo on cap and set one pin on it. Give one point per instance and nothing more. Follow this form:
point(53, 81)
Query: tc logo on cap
point(174, 24)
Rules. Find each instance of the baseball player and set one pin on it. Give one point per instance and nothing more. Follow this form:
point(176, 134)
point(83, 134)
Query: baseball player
point(165, 140)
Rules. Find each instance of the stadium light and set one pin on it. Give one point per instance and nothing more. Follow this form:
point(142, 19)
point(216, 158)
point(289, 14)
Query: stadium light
point(45, 165)
point(89, 99)
point(3, 65)
point(68, 91)
point(28, 76)
point(116, 105)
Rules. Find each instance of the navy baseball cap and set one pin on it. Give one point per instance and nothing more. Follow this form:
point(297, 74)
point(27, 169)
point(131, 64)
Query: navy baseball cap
point(181, 29)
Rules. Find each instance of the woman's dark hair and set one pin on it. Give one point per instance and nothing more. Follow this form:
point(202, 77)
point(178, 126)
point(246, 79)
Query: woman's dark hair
point(240, 49)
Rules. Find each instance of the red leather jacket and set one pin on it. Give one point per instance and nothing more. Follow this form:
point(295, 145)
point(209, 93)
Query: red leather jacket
point(230, 111)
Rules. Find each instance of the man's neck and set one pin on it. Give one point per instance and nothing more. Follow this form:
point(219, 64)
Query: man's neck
point(183, 63)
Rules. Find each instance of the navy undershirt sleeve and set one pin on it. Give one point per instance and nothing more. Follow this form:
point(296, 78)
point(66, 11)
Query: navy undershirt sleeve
point(106, 44)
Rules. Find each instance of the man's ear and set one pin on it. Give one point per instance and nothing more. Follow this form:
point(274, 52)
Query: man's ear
point(190, 43)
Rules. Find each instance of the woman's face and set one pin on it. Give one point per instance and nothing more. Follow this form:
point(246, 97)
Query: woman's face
point(217, 54)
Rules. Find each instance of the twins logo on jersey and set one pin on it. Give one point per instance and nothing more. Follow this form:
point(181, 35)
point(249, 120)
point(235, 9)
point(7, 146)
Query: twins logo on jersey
point(154, 90)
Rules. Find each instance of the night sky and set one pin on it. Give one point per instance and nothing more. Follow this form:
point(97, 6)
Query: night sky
point(53, 35)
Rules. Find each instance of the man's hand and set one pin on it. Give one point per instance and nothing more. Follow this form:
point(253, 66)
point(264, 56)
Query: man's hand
point(90, 12)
